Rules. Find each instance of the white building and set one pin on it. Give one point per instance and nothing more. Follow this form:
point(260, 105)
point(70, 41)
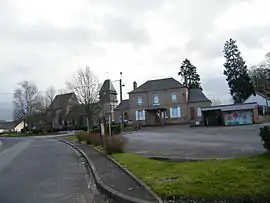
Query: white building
point(262, 100)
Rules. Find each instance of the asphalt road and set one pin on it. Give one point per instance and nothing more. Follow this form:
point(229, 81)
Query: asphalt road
point(43, 170)
point(183, 142)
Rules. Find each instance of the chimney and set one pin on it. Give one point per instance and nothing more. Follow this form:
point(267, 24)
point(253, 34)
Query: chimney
point(134, 85)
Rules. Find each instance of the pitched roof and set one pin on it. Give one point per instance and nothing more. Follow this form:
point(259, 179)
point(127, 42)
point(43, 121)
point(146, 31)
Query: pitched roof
point(107, 87)
point(123, 105)
point(263, 95)
point(61, 100)
point(7, 125)
point(79, 110)
point(196, 95)
point(159, 84)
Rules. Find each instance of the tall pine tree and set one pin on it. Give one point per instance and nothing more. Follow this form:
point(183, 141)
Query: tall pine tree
point(236, 73)
point(190, 77)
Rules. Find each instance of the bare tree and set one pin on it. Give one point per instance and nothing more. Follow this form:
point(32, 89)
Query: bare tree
point(86, 86)
point(25, 100)
point(50, 93)
point(42, 104)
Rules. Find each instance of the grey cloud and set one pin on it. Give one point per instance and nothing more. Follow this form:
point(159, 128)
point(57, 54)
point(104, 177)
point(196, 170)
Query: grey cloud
point(48, 33)
point(122, 30)
point(208, 48)
point(216, 87)
point(132, 5)
point(196, 17)
point(252, 37)
point(211, 48)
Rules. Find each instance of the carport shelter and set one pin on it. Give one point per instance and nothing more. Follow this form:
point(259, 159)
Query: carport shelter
point(234, 114)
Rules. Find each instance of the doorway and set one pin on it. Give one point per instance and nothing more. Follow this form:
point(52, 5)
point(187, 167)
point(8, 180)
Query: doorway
point(192, 113)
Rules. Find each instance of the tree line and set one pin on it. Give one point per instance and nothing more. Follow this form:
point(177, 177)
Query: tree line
point(242, 82)
point(29, 101)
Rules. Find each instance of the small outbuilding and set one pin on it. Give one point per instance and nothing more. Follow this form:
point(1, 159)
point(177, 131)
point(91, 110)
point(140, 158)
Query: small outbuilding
point(234, 114)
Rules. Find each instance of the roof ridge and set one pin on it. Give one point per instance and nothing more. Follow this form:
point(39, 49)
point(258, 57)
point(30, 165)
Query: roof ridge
point(65, 94)
point(162, 79)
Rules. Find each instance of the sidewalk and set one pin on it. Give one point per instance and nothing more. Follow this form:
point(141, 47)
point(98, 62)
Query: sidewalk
point(113, 176)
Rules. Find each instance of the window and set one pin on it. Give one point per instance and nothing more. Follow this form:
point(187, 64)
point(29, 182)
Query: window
point(139, 100)
point(155, 99)
point(199, 111)
point(140, 115)
point(174, 97)
point(175, 112)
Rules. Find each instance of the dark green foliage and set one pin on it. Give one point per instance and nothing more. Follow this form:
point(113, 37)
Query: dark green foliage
point(265, 136)
point(189, 74)
point(236, 73)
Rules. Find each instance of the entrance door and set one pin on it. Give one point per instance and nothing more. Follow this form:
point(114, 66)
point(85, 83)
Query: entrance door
point(192, 113)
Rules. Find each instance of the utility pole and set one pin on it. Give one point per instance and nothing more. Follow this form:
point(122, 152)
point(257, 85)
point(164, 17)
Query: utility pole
point(121, 99)
point(121, 85)
point(266, 100)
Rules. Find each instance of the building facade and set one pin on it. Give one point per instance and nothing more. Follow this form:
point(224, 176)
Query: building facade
point(165, 101)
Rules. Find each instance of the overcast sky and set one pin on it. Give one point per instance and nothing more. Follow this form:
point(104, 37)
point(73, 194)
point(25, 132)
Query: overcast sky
point(45, 42)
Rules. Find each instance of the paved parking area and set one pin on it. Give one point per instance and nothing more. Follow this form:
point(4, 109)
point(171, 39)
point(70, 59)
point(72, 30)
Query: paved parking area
point(184, 142)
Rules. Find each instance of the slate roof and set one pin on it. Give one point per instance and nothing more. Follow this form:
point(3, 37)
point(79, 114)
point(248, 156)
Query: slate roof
point(7, 125)
point(79, 110)
point(196, 95)
point(107, 87)
point(157, 85)
point(60, 101)
point(123, 105)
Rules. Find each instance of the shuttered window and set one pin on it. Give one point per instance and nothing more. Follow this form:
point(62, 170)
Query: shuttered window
point(140, 115)
point(175, 112)
point(199, 111)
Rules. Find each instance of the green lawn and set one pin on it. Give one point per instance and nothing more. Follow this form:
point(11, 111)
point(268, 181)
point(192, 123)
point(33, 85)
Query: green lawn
point(245, 177)
point(18, 134)
point(73, 138)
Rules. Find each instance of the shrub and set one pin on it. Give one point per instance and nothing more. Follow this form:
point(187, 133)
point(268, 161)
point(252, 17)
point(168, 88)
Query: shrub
point(82, 136)
point(94, 139)
point(265, 136)
point(115, 144)
point(96, 130)
point(116, 130)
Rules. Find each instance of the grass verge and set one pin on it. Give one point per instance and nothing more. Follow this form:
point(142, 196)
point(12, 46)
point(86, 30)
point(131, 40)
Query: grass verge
point(73, 138)
point(19, 135)
point(244, 177)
